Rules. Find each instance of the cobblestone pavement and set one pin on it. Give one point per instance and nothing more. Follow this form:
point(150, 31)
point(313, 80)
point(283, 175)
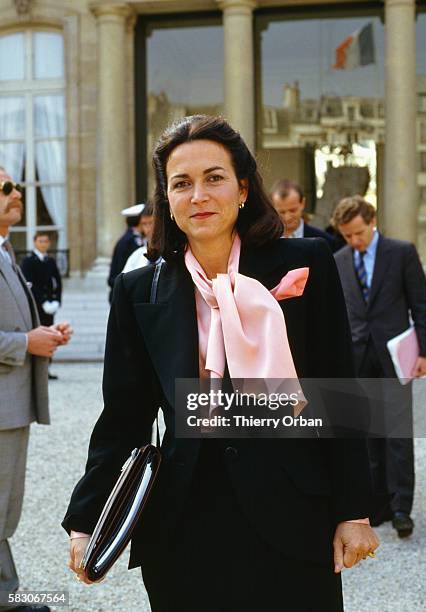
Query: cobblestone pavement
point(393, 582)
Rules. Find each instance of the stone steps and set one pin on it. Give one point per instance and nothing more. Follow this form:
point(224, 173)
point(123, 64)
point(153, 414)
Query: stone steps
point(85, 306)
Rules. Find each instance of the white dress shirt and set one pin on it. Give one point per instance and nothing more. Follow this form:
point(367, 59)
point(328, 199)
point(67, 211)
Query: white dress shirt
point(298, 232)
point(137, 259)
point(40, 255)
point(369, 257)
point(3, 251)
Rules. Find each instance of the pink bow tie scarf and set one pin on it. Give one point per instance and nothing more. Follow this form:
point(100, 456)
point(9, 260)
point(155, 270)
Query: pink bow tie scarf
point(247, 326)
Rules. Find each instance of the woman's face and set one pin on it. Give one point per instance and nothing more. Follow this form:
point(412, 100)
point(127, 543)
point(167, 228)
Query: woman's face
point(203, 190)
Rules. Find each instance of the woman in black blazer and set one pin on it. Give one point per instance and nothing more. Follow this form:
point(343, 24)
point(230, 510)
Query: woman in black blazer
point(232, 524)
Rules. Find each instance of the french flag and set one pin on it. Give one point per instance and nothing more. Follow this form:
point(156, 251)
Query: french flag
point(356, 50)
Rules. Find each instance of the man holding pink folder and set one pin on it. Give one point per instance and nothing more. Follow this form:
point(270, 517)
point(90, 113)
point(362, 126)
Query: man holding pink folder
point(384, 285)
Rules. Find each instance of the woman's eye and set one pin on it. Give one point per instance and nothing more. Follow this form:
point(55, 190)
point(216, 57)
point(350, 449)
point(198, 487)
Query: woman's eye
point(180, 184)
point(215, 178)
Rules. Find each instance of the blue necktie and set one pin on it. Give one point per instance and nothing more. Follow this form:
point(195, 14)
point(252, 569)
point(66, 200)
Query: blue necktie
point(361, 273)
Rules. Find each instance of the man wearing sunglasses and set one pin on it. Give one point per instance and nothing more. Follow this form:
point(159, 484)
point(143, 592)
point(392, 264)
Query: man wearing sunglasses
point(8, 186)
point(25, 347)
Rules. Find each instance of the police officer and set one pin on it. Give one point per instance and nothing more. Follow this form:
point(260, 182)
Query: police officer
point(131, 240)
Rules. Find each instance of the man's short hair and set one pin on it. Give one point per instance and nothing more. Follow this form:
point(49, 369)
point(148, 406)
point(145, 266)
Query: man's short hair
point(282, 188)
point(40, 233)
point(349, 208)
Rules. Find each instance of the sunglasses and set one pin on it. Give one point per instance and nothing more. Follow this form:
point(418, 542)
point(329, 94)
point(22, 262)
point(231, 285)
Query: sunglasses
point(8, 186)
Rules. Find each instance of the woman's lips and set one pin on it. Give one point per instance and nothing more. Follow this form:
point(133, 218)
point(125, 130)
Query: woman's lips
point(203, 215)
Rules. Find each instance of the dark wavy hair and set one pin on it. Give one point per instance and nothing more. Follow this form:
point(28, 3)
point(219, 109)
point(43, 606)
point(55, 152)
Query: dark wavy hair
point(258, 222)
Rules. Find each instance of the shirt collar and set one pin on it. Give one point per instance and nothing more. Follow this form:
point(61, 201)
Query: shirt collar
point(298, 232)
point(3, 252)
point(372, 247)
point(40, 255)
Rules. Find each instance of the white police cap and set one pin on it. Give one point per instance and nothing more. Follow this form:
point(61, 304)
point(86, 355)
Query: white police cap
point(133, 211)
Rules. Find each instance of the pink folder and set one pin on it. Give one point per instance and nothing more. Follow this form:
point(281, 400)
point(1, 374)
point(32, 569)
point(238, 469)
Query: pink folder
point(404, 350)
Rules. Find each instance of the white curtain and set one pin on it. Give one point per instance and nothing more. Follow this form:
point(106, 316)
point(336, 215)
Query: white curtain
point(12, 126)
point(49, 118)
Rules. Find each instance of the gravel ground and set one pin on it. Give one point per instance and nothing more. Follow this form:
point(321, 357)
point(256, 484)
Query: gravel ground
point(393, 582)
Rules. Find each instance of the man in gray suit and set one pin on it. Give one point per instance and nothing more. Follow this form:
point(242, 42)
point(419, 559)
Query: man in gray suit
point(25, 348)
point(384, 284)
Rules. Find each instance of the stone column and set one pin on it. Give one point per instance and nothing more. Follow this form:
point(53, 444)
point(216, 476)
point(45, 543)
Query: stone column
point(400, 201)
point(239, 67)
point(112, 123)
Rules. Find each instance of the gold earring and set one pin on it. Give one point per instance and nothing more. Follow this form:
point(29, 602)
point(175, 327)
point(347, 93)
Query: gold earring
point(241, 205)
point(171, 216)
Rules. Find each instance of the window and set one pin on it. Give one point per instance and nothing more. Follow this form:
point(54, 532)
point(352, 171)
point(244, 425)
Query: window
point(182, 62)
point(332, 101)
point(422, 103)
point(422, 162)
point(270, 119)
point(367, 110)
point(32, 130)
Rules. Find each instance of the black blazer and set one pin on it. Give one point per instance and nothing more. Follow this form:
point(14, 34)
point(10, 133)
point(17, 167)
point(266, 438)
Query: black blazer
point(398, 288)
point(293, 491)
point(45, 278)
point(309, 231)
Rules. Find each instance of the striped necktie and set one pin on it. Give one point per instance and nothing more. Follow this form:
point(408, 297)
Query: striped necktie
point(361, 273)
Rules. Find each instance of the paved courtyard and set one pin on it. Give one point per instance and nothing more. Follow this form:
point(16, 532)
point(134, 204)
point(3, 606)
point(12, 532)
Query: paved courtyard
point(393, 582)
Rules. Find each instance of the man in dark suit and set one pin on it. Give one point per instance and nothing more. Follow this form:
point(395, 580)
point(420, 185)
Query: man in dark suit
point(289, 201)
point(128, 243)
point(384, 283)
point(42, 273)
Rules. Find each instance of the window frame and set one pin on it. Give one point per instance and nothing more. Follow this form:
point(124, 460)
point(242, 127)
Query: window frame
point(29, 88)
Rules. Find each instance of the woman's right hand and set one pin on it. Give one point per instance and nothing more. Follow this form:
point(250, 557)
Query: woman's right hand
point(77, 549)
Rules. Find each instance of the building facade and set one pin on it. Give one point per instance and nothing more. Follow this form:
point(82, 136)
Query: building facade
point(331, 94)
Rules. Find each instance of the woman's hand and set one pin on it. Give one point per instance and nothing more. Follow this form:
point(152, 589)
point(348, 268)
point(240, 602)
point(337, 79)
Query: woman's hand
point(77, 549)
point(352, 543)
point(420, 367)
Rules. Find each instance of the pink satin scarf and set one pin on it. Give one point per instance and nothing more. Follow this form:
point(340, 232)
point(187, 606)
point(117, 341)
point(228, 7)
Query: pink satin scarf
point(246, 327)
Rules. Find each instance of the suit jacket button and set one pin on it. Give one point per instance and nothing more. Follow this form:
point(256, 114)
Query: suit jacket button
point(231, 452)
point(17, 329)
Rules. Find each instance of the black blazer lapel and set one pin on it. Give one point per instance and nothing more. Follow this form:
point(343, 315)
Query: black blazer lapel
point(169, 328)
point(381, 264)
